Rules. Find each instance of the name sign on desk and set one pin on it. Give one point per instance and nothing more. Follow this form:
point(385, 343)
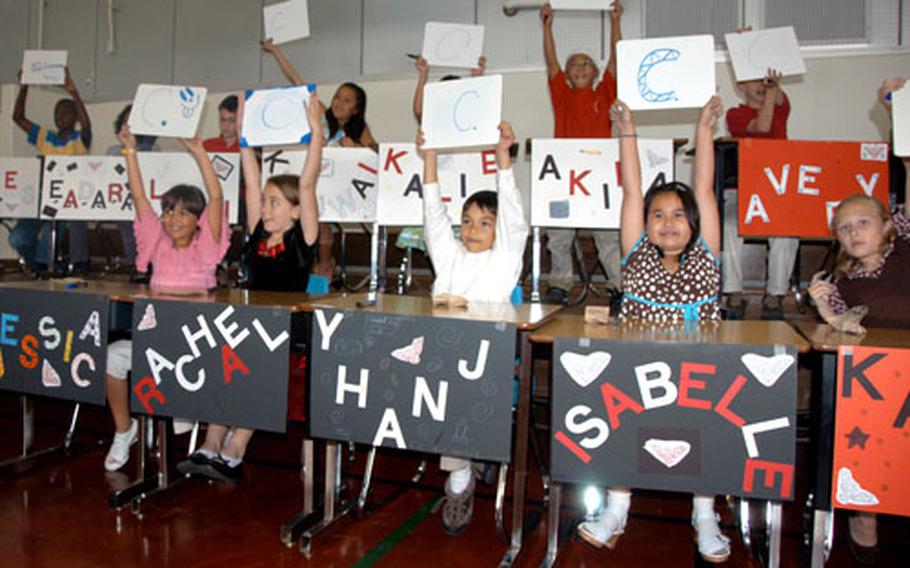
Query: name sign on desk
point(872, 431)
point(53, 344)
point(717, 419)
point(211, 362)
point(575, 183)
point(400, 199)
point(791, 188)
point(19, 187)
point(434, 385)
point(95, 188)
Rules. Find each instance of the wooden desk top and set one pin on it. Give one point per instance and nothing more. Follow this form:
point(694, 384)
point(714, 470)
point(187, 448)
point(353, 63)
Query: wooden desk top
point(753, 332)
point(823, 337)
point(126, 292)
point(526, 317)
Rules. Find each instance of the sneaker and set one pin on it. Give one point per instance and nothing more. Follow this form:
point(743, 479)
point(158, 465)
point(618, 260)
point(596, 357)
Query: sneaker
point(736, 307)
point(713, 545)
point(119, 453)
point(772, 308)
point(484, 472)
point(556, 296)
point(605, 530)
point(458, 509)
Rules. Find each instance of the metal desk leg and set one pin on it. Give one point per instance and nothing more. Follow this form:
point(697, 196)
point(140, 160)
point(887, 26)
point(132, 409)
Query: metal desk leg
point(535, 266)
point(367, 478)
point(502, 478)
point(330, 499)
point(291, 530)
point(28, 424)
point(745, 527)
point(824, 454)
point(27, 458)
point(151, 480)
point(553, 526)
point(522, 420)
point(775, 518)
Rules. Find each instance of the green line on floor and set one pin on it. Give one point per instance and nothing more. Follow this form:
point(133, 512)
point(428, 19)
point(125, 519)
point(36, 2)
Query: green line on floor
point(396, 536)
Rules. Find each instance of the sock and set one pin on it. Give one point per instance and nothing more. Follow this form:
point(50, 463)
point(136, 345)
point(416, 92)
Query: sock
point(703, 507)
point(232, 462)
point(458, 479)
point(618, 504)
point(209, 454)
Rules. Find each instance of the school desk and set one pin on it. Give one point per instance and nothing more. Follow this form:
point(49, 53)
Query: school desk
point(825, 341)
point(760, 333)
point(525, 318)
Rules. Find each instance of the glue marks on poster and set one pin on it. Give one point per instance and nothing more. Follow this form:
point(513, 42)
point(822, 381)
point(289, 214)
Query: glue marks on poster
point(675, 416)
point(436, 385)
point(211, 362)
point(53, 344)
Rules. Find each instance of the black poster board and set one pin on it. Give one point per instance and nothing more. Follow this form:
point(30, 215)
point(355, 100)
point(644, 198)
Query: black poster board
point(53, 344)
point(713, 419)
point(436, 385)
point(211, 362)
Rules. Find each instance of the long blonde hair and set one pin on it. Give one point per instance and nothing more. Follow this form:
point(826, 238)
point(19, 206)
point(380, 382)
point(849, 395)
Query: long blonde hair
point(845, 264)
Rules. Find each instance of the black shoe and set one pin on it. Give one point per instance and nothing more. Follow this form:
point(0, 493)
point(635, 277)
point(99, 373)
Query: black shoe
point(485, 472)
point(556, 296)
point(219, 470)
point(196, 464)
point(772, 308)
point(615, 301)
point(864, 555)
point(736, 307)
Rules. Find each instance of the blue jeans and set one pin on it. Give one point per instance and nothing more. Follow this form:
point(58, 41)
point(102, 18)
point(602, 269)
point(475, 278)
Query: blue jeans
point(30, 238)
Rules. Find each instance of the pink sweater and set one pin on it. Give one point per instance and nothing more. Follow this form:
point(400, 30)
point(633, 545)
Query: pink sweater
point(189, 267)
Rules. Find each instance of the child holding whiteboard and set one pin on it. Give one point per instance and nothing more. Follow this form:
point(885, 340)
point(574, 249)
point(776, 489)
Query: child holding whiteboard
point(763, 114)
point(580, 111)
point(185, 245)
point(283, 221)
point(483, 265)
point(670, 238)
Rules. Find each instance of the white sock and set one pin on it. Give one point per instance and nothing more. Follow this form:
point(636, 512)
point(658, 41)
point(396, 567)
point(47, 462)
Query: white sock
point(703, 507)
point(618, 503)
point(209, 454)
point(232, 462)
point(459, 479)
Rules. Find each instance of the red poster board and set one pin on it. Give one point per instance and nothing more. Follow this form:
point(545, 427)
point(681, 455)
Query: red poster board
point(872, 431)
point(790, 188)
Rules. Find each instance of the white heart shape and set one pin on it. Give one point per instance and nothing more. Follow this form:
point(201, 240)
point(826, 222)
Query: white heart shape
point(585, 368)
point(49, 377)
point(668, 452)
point(149, 321)
point(767, 370)
point(850, 492)
point(410, 353)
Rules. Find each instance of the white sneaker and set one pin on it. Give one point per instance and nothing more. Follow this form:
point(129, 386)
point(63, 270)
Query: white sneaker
point(605, 530)
point(119, 453)
point(713, 545)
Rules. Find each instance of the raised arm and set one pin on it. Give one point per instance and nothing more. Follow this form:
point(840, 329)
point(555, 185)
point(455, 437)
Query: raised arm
point(615, 34)
point(423, 71)
point(511, 227)
point(632, 214)
point(19, 110)
point(549, 45)
point(773, 96)
point(215, 205)
point(252, 175)
point(289, 71)
point(81, 114)
point(704, 173)
point(437, 226)
point(309, 205)
point(134, 176)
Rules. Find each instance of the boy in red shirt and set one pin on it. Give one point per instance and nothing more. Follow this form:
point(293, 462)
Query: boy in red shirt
point(763, 115)
point(580, 111)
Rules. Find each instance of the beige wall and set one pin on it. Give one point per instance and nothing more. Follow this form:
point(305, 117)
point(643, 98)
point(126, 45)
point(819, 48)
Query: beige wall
point(834, 100)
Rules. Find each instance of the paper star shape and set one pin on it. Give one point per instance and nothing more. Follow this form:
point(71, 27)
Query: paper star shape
point(856, 437)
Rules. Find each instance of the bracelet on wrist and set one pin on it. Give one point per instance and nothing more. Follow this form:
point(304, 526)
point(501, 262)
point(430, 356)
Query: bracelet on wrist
point(128, 151)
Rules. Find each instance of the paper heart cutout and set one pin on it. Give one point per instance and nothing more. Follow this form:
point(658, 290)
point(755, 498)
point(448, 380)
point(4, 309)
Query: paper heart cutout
point(410, 353)
point(149, 321)
point(49, 377)
point(585, 368)
point(668, 452)
point(767, 370)
point(850, 492)
point(94, 165)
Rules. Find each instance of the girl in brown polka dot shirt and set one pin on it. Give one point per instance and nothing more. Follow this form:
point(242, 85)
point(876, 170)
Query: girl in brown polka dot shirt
point(670, 239)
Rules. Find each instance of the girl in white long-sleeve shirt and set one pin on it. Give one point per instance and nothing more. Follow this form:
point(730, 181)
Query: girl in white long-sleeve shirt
point(483, 266)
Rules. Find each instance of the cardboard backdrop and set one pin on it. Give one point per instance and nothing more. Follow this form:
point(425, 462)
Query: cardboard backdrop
point(94, 188)
point(716, 419)
point(19, 187)
point(575, 183)
point(346, 189)
point(434, 385)
point(54, 344)
point(400, 199)
point(872, 431)
point(211, 362)
point(790, 188)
